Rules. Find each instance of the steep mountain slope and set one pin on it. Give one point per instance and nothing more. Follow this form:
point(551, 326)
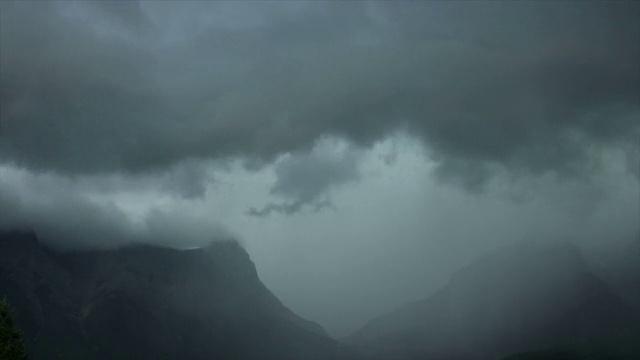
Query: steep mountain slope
point(144, 302)
point(619, 266)
point(521, 298)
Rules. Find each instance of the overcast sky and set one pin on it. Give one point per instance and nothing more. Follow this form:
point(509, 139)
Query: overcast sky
point(361, 151)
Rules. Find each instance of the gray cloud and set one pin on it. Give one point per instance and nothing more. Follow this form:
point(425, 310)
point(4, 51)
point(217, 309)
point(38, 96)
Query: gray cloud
point(79, 98)
point(305, 179)
point(188, 180)
point(70, 217)
point(287, 208)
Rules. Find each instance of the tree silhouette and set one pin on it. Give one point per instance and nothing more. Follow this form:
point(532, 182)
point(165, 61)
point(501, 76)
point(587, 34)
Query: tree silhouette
point(11, 343)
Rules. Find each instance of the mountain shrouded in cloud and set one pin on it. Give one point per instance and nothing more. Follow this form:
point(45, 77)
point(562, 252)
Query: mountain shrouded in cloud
point(532, 296)
point(357, 143)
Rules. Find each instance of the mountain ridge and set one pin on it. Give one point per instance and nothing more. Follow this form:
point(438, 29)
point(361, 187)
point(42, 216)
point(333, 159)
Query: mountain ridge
point(143, 301)
point(523, 297)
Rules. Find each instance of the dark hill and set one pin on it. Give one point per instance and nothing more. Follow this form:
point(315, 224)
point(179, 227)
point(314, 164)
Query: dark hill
point(518, 299)
point(145, 302)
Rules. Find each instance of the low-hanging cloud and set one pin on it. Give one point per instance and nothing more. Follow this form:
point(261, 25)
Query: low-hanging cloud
point(306, 179)
point(67, 217)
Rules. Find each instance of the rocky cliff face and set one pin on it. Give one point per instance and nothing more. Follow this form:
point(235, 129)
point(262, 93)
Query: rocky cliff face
point(518, 299)
point(145, 302)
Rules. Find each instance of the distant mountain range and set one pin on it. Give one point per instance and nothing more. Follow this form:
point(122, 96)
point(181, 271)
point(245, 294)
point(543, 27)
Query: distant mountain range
point(540, 300)
point(146, 302)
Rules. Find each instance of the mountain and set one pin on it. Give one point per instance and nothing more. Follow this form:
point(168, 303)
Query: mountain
point(146, 302)
point(518, 299)
point(619, 266)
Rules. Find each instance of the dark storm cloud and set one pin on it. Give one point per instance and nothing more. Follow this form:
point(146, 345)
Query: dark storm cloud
point(188, 180)
point(528, 87)
point(305, 179)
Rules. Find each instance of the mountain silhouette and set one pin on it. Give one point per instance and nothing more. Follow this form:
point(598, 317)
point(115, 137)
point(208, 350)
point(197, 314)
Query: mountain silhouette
point(521, 298)
point(147, 302)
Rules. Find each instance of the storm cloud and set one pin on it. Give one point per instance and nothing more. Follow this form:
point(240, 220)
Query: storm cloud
point(83, 94)
point(306, 179)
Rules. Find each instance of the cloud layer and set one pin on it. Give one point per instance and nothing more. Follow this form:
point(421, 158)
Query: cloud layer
point(104, 87)
point(68, 215)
